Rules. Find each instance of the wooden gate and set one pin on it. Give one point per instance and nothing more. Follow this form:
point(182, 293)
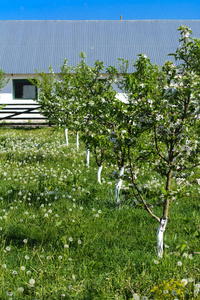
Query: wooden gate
point(22, 114)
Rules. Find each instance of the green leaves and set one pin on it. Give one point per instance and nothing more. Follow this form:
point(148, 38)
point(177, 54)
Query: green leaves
point(3, 80)
point(157, 123)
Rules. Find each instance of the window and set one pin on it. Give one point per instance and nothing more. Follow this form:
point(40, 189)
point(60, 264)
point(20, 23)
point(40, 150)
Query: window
point(24, 89)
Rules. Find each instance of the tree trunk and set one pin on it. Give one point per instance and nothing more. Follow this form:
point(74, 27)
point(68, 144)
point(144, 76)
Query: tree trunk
point(99, 174)
point(168, 187)
point(119, 185)
point(160, 231)
point(163, 221)
point(77, 140)
point(87, 157)
point(66, 136)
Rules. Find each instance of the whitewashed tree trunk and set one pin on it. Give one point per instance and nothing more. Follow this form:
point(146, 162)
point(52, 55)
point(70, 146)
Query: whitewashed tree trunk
point(160, 231)
point(99, 174)
point(119, 185)
point(77, 141)
point(66, 136)
point(87, 157)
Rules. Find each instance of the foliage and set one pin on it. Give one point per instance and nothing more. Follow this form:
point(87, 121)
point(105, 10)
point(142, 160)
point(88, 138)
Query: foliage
point(165, 103)
point(155, 130)
point(3, 80)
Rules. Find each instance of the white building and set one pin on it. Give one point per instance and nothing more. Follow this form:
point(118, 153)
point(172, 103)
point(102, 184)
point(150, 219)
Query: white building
point(30, 45)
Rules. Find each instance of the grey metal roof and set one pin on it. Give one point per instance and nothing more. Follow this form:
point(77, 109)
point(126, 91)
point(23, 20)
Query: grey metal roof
point(29, 45)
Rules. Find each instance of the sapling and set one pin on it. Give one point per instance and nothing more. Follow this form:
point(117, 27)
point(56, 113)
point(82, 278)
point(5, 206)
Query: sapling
point(163, 109)
point(119, 155)
point(99, 146)
point(97, 101)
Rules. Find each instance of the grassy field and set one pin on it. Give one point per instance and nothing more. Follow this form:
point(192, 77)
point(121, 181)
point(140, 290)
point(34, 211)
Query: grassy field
point(63, 236)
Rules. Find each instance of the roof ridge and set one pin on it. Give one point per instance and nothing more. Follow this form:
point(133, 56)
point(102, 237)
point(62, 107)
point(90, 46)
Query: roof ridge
point(148, 20)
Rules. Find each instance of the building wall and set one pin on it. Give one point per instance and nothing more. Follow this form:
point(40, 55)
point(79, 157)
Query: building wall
point(6, 95)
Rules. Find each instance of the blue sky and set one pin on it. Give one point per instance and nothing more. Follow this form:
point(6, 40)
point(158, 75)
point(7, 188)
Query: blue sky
point(99, 9)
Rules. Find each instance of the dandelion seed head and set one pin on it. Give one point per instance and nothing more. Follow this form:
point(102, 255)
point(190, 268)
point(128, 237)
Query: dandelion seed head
point(32, 281)
point(184, 282)
point(96, 216)
point(136, 297)
point(156, 262)
point(28, 272)
point(20, 289)
point(197, 285)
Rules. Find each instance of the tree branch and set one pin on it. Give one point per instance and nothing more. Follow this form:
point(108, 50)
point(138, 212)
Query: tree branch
point(156, 144)
point(138, 191)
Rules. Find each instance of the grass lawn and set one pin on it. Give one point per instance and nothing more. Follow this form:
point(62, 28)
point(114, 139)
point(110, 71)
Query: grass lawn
point(63, 236)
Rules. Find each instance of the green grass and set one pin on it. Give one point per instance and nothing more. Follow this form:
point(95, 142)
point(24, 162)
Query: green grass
point(63, 237)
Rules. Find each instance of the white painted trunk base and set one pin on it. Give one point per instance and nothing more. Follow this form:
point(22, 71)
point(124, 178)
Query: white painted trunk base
point(160, 232)
point(99, 174)
point(66, 136)
point(119, 185)
point(87, 157)
point(77, 141)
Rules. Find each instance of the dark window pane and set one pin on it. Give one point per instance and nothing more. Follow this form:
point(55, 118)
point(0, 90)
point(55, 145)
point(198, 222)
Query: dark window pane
point(23, 89)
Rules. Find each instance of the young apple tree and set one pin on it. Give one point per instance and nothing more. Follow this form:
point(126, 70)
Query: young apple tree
point(94, 88)
point(165, 108)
